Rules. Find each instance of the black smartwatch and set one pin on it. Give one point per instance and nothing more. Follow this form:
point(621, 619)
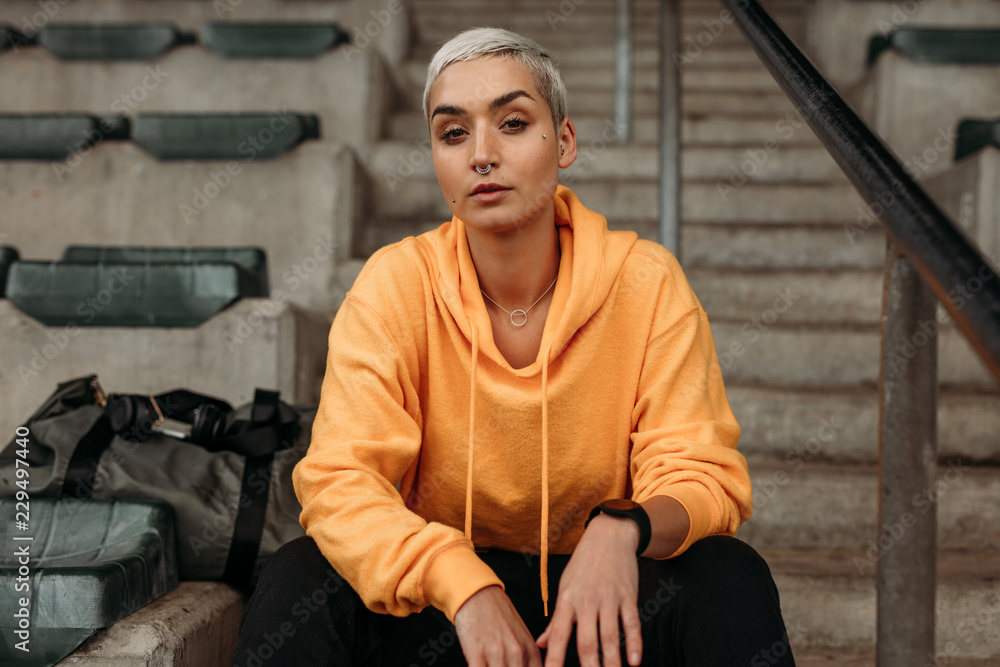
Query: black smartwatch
point(627, 508)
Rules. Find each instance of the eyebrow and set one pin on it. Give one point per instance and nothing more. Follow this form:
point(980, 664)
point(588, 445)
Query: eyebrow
point(500, 101)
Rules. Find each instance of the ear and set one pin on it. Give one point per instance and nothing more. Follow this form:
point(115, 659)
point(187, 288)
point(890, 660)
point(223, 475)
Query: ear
point(567, 140)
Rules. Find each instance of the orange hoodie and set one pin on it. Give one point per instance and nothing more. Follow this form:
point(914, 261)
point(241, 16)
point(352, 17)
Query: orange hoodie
point(427, 442)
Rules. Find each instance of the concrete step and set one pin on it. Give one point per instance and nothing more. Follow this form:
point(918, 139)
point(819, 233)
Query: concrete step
point(696, 129)
point(599, 160)
point(195, 625)
point(771, 246)
point(300, 207)
point(792, 427)
point(342, 91)
point(829, 609)
point(767, 352)
point(813, 297)
point(700, 202)
point(735, 56)
point(253, 343)
point(580, 78)
point(728, 246)
point(801, 505)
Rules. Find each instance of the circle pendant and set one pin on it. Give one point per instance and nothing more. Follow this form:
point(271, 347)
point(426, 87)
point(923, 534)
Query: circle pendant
point(523, 317)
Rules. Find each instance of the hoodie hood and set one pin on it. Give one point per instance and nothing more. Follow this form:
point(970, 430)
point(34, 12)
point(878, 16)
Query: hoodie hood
point(591, 258)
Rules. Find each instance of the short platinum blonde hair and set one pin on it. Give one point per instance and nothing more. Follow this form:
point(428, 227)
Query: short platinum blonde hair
point(483, 42)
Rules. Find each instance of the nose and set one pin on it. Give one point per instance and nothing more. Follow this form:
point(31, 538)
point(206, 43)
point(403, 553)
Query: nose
point(485, 150)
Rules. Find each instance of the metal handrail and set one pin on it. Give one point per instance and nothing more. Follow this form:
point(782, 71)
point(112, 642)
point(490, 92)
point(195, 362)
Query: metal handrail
point(926, 255)
point(945, 258)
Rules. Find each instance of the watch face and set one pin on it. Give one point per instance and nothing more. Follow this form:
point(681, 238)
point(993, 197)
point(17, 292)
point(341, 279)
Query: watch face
point(620, 504)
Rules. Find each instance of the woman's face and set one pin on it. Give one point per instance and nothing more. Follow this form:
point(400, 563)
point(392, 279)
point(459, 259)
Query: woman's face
point(488, 111)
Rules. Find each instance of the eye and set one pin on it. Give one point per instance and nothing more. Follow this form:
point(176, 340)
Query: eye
point(516, 124)
point(451, 134)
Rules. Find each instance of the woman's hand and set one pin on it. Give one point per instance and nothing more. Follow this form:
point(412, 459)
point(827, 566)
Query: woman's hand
point(492, 633)
point(599, 585)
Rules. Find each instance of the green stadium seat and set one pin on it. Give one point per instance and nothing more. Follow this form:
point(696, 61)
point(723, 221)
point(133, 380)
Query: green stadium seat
point(271, 40)
point(974, 135)
point(126, 295)
point(253, 260)
point(8, 255)
point(966, 46)
point(92, 563)
point(46, 136)
point(12, 39)
point(222, 136)
point(130, 41)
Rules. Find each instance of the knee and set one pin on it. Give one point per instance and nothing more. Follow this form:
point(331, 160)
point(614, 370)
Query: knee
point(729, 562)
point(300, 561)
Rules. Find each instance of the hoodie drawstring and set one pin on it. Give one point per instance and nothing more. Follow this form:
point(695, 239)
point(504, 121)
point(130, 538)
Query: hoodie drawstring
point(544, 565)
point(472, 433)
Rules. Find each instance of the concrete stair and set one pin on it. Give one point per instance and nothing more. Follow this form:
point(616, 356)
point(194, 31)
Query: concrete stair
point(764, 211)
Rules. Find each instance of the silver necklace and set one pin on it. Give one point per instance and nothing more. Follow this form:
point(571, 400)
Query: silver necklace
point(524, 312)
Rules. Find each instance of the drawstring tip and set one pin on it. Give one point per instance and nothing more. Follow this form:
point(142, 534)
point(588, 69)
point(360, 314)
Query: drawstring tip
point(545, 608)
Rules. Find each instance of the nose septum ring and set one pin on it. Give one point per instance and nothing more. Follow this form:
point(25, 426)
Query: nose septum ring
point(486, 170)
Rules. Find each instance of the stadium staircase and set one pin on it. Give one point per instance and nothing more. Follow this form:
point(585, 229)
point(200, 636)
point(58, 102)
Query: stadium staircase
point(770, 242)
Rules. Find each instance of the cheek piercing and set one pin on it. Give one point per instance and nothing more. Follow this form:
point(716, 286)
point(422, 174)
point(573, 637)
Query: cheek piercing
point(452, 201)
point(544, 135)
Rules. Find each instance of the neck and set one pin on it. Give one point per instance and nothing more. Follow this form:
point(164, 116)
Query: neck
point(516, 266)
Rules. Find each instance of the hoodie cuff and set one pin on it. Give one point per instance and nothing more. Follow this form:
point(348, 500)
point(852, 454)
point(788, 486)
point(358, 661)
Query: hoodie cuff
point(454, 576)
point(698, 509)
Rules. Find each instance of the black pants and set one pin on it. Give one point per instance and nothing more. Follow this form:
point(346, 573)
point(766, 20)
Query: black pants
point(715, 605)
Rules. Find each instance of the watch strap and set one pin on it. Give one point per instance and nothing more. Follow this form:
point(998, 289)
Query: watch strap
point(637, 514)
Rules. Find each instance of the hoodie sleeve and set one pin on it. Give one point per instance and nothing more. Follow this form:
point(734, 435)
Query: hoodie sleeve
point(684, 435)
point(367, 433)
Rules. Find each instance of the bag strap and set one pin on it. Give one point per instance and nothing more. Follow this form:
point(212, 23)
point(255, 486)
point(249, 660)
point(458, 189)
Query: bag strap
point(272, 426)
point(82, 471)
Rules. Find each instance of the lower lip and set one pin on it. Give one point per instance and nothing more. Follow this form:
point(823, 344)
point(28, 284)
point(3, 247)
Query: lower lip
point(491, 196)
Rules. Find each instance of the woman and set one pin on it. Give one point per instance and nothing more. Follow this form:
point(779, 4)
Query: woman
point(489, 384)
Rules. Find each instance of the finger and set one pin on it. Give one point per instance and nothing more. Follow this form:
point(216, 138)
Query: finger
point(543, 638)
point(587, 642)
point(559, 630)
point(633, 633)
point(610, 648)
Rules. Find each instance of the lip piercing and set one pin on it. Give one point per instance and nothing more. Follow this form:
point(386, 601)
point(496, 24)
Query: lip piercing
point(484, 171)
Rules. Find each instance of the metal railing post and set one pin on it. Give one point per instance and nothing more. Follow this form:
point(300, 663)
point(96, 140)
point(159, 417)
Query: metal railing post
point(670, 128)
point(623, 71)
point(907, 537)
